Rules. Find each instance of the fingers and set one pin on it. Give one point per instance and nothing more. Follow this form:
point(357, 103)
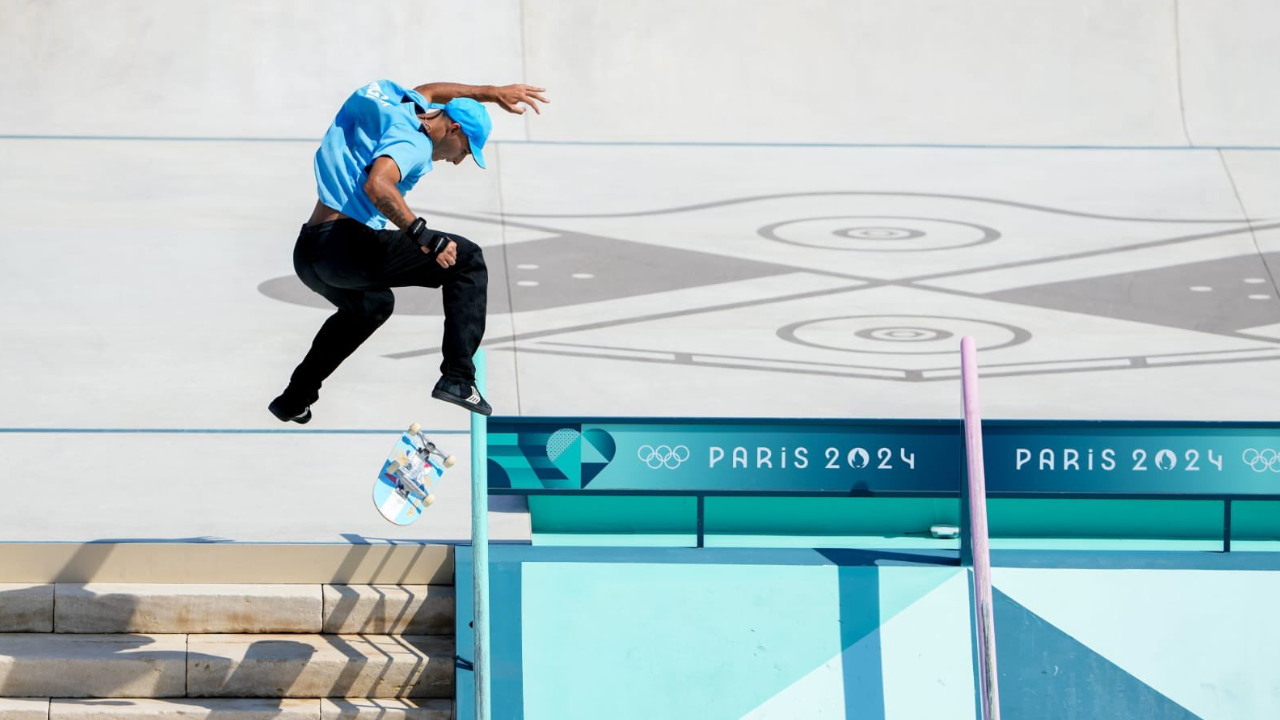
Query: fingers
point(530, 95)
point(449, 256)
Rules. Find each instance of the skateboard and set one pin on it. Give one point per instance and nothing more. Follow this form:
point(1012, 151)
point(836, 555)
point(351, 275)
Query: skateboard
point(403, 488)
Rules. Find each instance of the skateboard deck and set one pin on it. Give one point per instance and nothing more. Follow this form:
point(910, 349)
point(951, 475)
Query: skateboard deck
point(403, 488)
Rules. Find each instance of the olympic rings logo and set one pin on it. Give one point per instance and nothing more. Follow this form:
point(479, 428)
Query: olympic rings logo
point(1262, 460)
point(663, 456)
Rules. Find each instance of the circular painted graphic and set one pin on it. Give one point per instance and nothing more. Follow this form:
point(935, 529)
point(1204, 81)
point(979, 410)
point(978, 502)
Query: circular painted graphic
point(901, 334)
point(877, 233)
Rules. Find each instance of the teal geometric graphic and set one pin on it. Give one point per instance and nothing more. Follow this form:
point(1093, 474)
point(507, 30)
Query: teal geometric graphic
point(549, 456)
point(1045, 674)
point(598, 449)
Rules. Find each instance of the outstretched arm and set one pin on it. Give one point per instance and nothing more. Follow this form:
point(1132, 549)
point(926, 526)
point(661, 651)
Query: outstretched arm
point(508, 97)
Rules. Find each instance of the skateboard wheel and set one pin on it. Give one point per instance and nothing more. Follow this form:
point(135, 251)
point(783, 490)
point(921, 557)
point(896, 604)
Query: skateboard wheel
point(414, 428)
point(450, 461)
point(426, 501)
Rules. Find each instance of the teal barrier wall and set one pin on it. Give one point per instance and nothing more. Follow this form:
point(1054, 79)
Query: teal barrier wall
point(885, 483)
point(585, 634)
point(732, 634)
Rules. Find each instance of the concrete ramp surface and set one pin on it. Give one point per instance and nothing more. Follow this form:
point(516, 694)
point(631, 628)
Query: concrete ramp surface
point(727, 209)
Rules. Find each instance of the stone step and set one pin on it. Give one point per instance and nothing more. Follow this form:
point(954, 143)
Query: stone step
point(99, 608)
point(155, 608)
point(389, 609)
point(24, 709)
point(418, 666)
point(228, 709)
point(229, 666)
point(99, 666)
point(186, 709)
point(385, 709)
point(26, 608)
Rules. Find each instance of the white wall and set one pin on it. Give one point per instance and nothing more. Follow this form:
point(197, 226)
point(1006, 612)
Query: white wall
point(876, 71)
point(1049, 72)
point(1231, 71)
point(236, 68)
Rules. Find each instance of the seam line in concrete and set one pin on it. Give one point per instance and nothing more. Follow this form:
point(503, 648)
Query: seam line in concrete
point(1245, 213)
point(1177, 45)
point(524, 64)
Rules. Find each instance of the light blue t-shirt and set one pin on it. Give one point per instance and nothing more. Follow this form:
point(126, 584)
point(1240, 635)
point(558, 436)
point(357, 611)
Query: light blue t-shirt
point(379, 119)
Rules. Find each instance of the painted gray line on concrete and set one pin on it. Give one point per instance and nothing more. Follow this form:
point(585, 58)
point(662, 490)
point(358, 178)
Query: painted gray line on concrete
point(1085, 254)
point(873, 193)
point(718, 356)
point(921, 281)
point(932, 374)
point(986, 234)
point(868, 283)
point(629, 321)
point(790, 333)
point(1206, 296)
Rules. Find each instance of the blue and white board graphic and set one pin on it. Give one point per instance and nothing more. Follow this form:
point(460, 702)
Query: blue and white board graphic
point(399, 501)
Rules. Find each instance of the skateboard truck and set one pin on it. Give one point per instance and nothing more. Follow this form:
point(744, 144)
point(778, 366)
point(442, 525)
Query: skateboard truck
point(429, 448)
point(402, 470)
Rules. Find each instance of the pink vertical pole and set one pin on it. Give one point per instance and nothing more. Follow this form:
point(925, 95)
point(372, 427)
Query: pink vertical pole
point(978, 538)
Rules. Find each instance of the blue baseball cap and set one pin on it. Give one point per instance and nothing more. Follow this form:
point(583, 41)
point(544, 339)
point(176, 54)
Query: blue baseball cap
point(474, 121)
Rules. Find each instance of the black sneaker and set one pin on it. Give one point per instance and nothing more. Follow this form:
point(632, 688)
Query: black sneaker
point(462, 394)
point(281, 408)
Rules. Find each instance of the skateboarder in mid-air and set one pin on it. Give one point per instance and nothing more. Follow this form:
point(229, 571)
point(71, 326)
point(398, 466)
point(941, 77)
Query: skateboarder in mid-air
point(382, 142)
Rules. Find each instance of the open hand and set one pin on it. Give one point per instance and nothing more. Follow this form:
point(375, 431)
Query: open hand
point(509, 97)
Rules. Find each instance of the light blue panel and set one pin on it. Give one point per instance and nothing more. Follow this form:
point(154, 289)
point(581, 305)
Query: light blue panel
point(715, 642)
point(1208, 640)
point(916, 664)
point(640, 641)
point(927, 650)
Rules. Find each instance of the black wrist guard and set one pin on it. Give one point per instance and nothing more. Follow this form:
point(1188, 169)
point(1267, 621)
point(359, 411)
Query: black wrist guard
point(417, 229)
point(427, 238)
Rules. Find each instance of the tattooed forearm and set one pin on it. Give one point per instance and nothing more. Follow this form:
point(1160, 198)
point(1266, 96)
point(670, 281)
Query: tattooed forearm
point(391, 203)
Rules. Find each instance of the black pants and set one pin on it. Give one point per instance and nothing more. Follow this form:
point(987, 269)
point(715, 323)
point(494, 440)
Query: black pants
point(354, 267)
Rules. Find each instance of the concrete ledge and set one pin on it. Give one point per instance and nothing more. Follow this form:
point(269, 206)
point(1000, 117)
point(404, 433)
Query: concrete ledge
point(390, 609)
point(185, 709)
point(26, 608)
point(374, 709)
point(411, 563)
point(156, 608)
point(24, 709)
point(320, 666)
point(104, 666)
